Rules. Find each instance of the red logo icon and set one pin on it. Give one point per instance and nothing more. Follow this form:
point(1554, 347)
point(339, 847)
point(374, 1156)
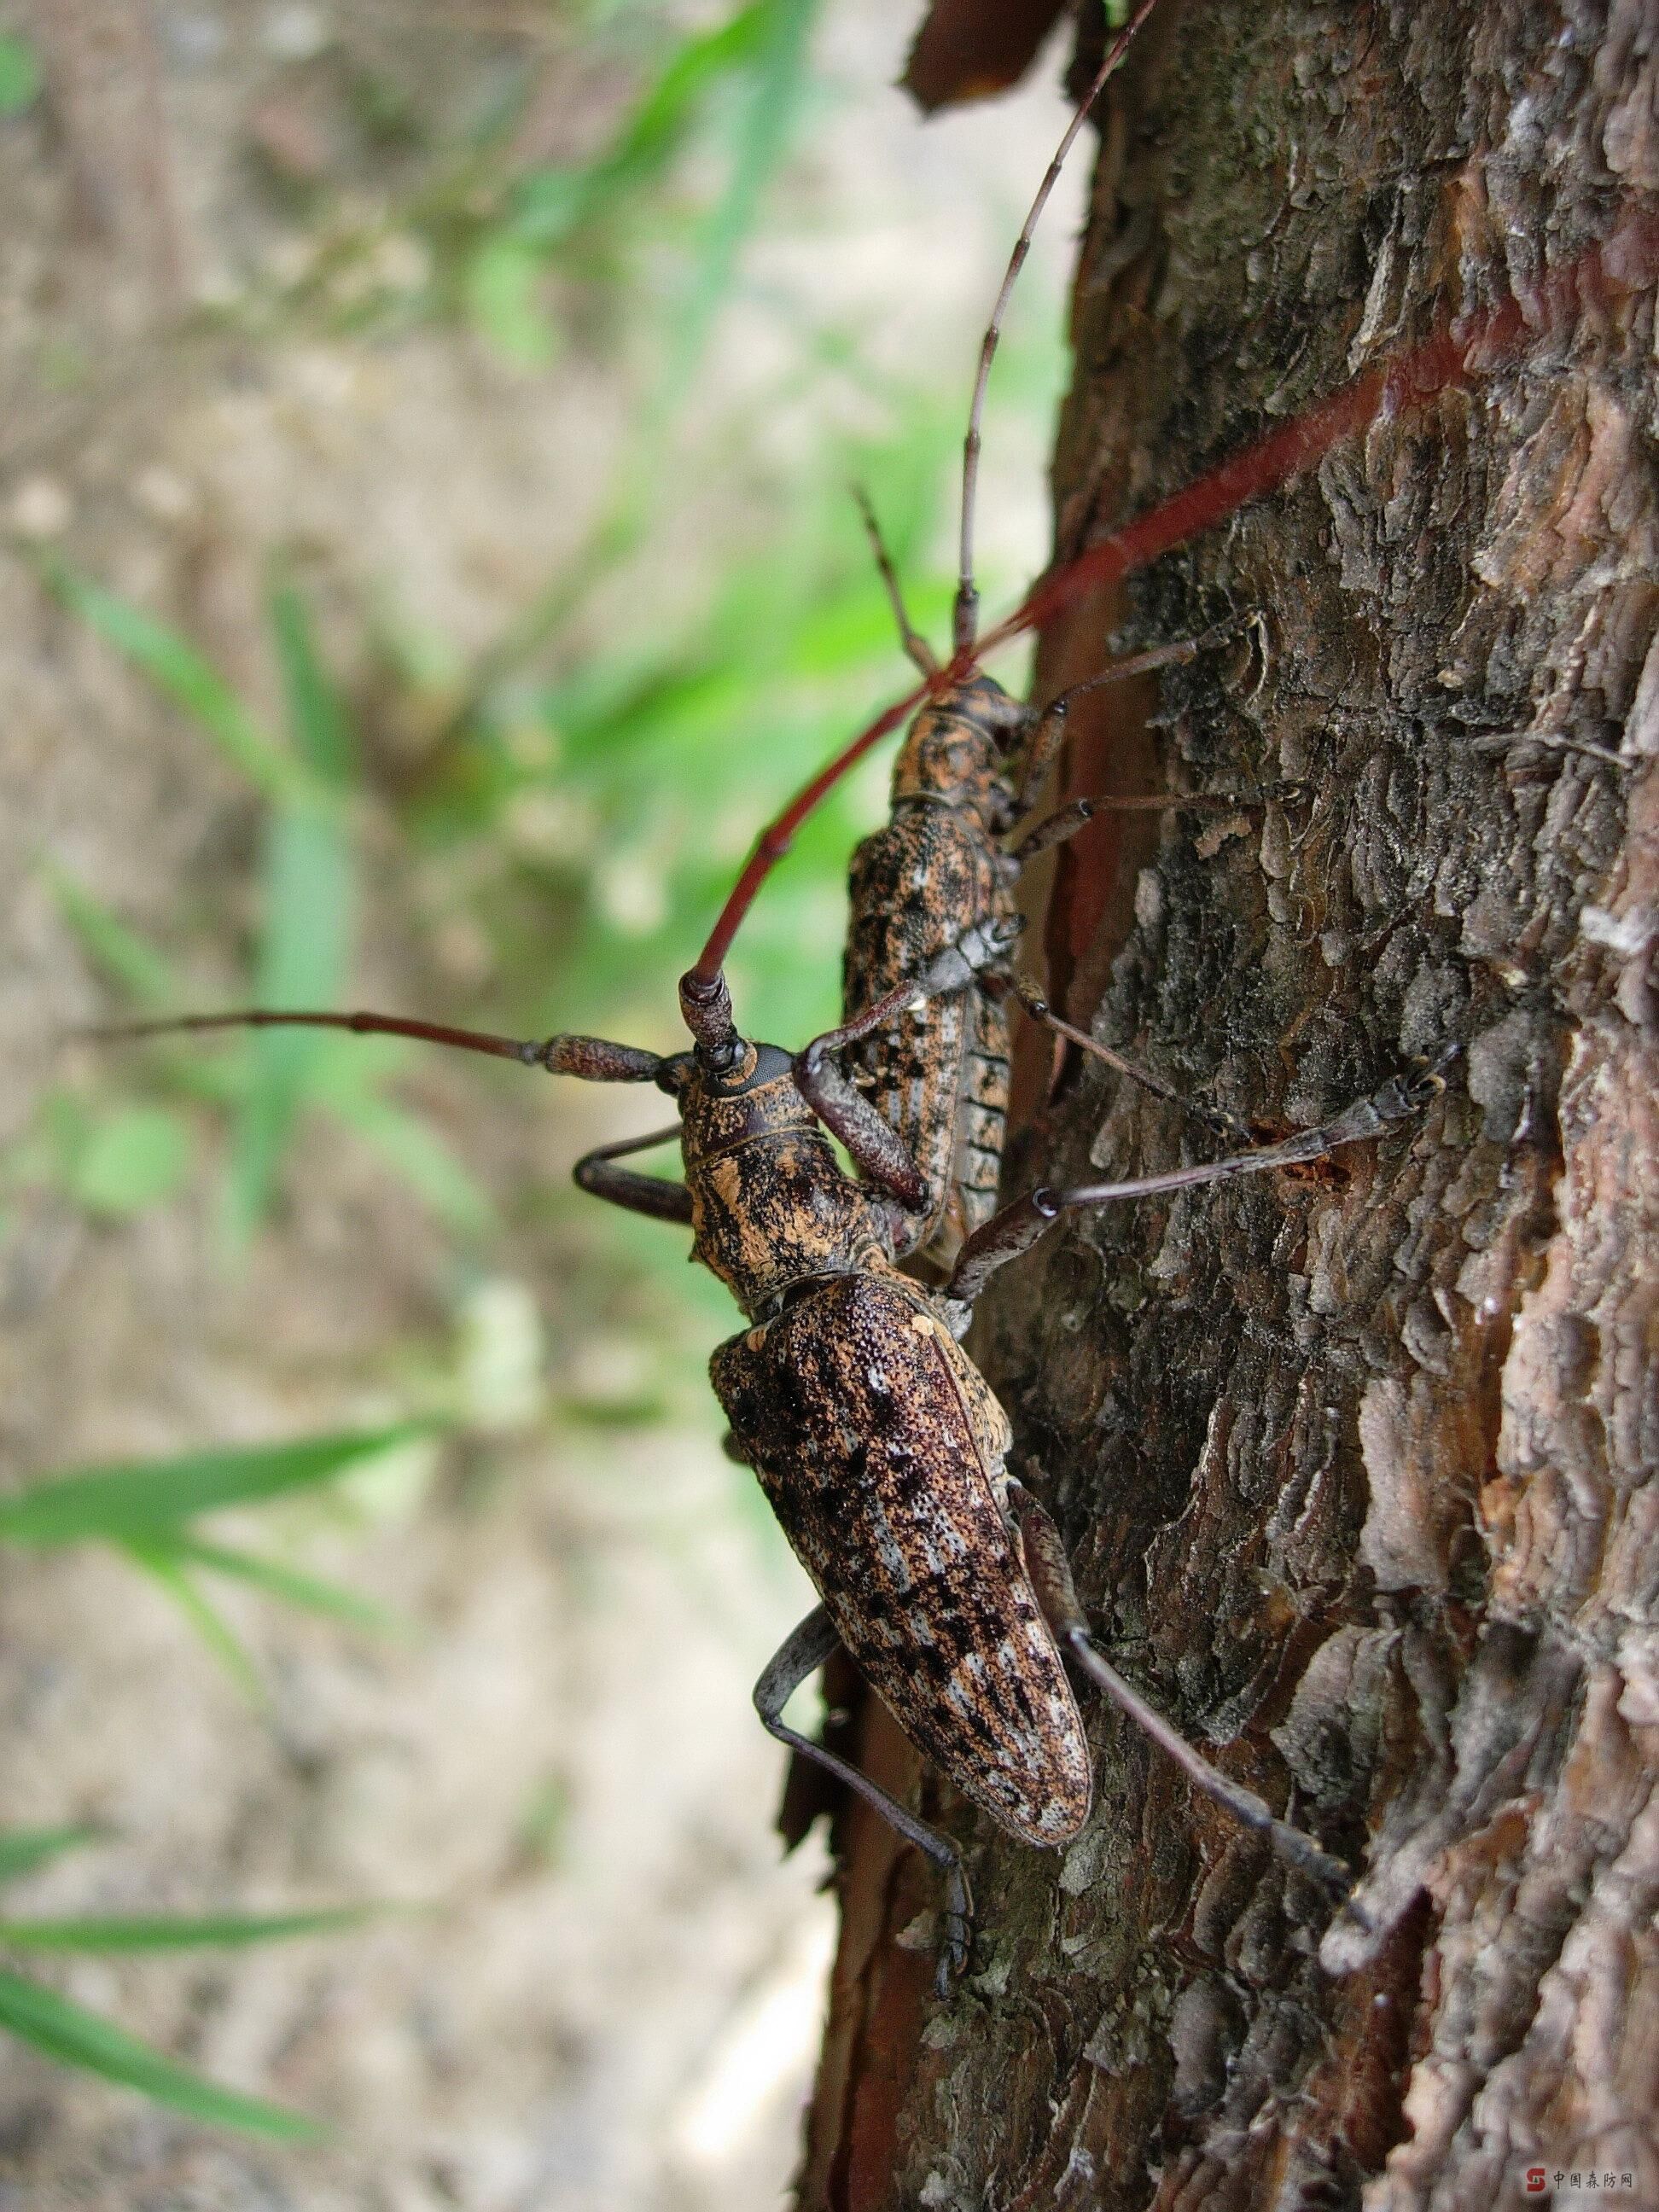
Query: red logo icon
point(1536, 2179)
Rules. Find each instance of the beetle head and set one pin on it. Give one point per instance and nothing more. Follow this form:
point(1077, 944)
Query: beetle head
point(722, 1063)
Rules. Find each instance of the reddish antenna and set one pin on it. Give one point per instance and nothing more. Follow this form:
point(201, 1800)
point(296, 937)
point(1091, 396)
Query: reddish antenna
point(775, 839)
point(1455, 354)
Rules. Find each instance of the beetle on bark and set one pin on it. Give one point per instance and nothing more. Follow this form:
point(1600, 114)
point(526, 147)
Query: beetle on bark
point(879, 1444)
point(937, 879)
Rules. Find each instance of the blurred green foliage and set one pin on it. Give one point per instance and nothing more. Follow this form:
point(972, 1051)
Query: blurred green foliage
point(19, 74)
point(573, 802)
point(475, 221)
point(583, 796)
point(578, 798)
point(67, 2032)
point(148, 1511)
point(117, 1157)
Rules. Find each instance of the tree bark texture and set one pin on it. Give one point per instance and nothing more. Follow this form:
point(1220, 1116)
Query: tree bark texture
point(1357, 1465)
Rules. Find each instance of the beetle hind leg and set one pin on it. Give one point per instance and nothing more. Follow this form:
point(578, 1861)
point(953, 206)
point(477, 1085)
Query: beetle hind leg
point(1051, 1579)
point(802, 1654)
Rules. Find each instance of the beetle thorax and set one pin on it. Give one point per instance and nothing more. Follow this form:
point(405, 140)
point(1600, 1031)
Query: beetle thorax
point(955, 753)
point(770, 1206)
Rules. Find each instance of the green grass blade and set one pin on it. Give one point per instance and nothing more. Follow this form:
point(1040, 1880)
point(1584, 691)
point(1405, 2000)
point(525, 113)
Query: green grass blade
point(308, 1591)
point(22, 1850)
point(766, 119)
point(157, 1558)
point(317, 727)
point(128, 960)
point(700, 62)
point(309, 900)
point(304, 954)
point(416, 1153)
point(180, 673)
point(503, 285)
point(65, 2032)
point(552, 203)
point(134, 966)
point(142, 1497)
point(168, 1931)
point(129, 1158)
point(20, 75)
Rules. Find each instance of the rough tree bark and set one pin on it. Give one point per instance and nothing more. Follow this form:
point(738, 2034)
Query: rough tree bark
point(1357, 1467)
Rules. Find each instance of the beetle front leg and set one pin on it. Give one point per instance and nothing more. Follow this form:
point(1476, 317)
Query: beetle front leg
point(880, 1152)
point(597, 1174)
point(800, 1655)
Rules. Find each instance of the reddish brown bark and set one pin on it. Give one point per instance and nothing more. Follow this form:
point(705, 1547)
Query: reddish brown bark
point(1357, 1467)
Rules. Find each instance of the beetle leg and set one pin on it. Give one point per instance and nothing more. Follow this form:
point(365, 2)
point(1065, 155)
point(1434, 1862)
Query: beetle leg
point(1051, 1579)
point(1048, 723)
point(1040, 1011)
point(876, 1146)
point(1018, 1225)
point(955, 967)
point(1055, 828)
point(596, 1173)
point(802, 1654)
point(880, 1152)
point(910, 638)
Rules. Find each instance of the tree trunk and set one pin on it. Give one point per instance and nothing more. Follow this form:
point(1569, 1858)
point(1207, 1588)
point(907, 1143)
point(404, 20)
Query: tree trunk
point(1357, 1465)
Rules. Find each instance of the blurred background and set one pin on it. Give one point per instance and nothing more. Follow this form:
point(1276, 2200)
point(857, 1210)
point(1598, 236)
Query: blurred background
point(427, 561)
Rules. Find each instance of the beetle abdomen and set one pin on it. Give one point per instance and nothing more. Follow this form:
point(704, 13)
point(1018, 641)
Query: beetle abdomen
point(876, 1440)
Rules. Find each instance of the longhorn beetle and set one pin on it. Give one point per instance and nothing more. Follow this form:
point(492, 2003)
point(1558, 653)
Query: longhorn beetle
point(937, 877)
point(879, 1444)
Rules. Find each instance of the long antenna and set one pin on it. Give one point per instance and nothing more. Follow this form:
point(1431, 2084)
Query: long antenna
point(966, 619)
point(776, 838)
point(595, 1059)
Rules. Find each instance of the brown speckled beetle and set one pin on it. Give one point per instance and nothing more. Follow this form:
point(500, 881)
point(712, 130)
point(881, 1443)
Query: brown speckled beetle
point(936, 883)
point(880, 1446)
